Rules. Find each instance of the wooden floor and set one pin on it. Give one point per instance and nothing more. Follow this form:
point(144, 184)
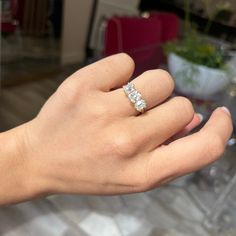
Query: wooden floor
point(21, 103)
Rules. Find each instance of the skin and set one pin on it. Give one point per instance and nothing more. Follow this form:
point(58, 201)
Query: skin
point(89, 139)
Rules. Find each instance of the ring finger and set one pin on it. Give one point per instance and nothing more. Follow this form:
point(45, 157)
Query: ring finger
point(155, 87)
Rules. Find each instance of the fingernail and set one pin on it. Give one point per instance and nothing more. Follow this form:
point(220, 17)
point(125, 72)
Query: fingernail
point(200, 117)
point(226, 110)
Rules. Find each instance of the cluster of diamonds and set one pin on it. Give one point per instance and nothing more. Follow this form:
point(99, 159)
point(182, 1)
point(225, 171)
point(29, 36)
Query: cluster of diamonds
point(135, 97)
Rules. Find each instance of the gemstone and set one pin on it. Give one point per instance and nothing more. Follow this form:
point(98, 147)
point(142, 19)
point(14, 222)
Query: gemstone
point(134, 96)
point(140, 105)
point(129, 88)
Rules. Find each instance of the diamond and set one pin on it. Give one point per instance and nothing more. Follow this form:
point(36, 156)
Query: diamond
point(129, 88)
point(134, 96)
point(140, 105)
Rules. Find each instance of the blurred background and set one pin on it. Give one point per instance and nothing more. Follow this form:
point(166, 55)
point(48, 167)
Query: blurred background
point(44, 41)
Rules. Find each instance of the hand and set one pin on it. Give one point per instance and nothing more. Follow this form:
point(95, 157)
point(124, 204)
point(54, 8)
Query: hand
point(89, 139)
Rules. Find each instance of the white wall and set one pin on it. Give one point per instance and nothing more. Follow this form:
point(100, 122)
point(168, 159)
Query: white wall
point(75, 27)
point(108, 8)
point(76, 24)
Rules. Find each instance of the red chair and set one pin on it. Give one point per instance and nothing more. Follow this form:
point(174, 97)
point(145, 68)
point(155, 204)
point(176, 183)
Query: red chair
point(141, 38)
point(170, 25)
point(137, 36)
point(170, 28)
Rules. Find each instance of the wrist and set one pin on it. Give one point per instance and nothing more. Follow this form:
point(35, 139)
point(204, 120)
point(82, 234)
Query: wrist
point(19, 178)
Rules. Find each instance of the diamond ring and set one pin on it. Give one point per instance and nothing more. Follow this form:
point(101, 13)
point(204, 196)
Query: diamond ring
point(135, 97)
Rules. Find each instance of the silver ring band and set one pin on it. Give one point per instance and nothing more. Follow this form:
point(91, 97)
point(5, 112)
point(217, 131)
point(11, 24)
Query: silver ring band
point(135, 97)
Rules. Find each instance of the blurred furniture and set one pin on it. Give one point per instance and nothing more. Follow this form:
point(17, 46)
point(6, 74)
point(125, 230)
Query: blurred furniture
point(170, 25)
point(56, 9)
point(104, 9)
point(76, 17)
point(9, 16)
point(35, 17)
point(142, 38)
point(139, 37)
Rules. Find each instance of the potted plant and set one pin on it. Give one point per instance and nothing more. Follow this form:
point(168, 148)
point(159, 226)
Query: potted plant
point(197, 65)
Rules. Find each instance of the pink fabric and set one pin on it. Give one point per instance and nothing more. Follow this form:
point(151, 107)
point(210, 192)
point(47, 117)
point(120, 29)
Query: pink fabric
point(141, 38)
point(170, 28)
point(170, 25)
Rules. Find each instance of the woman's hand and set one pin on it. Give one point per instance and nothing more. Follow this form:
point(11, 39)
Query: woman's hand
point(89, 139)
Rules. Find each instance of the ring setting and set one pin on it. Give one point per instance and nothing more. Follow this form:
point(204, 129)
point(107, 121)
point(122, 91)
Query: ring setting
point(135, 97)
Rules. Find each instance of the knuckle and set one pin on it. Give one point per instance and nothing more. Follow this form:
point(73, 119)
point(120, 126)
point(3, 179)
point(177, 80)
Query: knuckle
point(164, 79)
point(128, 58)
point(168, 78)
point(123, 144)
point(68, 93)
point(186, 106)
point(99, 111)
point(121, 59)
point(163, 74)
point(72, 89)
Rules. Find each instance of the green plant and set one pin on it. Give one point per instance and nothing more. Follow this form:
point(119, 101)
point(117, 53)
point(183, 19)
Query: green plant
point(193, 46)
point(198, 51)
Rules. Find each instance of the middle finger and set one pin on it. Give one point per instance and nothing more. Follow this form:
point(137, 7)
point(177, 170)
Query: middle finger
point(159, 124)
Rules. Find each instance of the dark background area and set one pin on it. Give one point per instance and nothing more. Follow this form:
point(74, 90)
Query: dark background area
point(218, 29)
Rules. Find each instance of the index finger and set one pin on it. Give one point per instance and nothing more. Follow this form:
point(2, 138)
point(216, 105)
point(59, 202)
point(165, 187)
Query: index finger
point(107, 74)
